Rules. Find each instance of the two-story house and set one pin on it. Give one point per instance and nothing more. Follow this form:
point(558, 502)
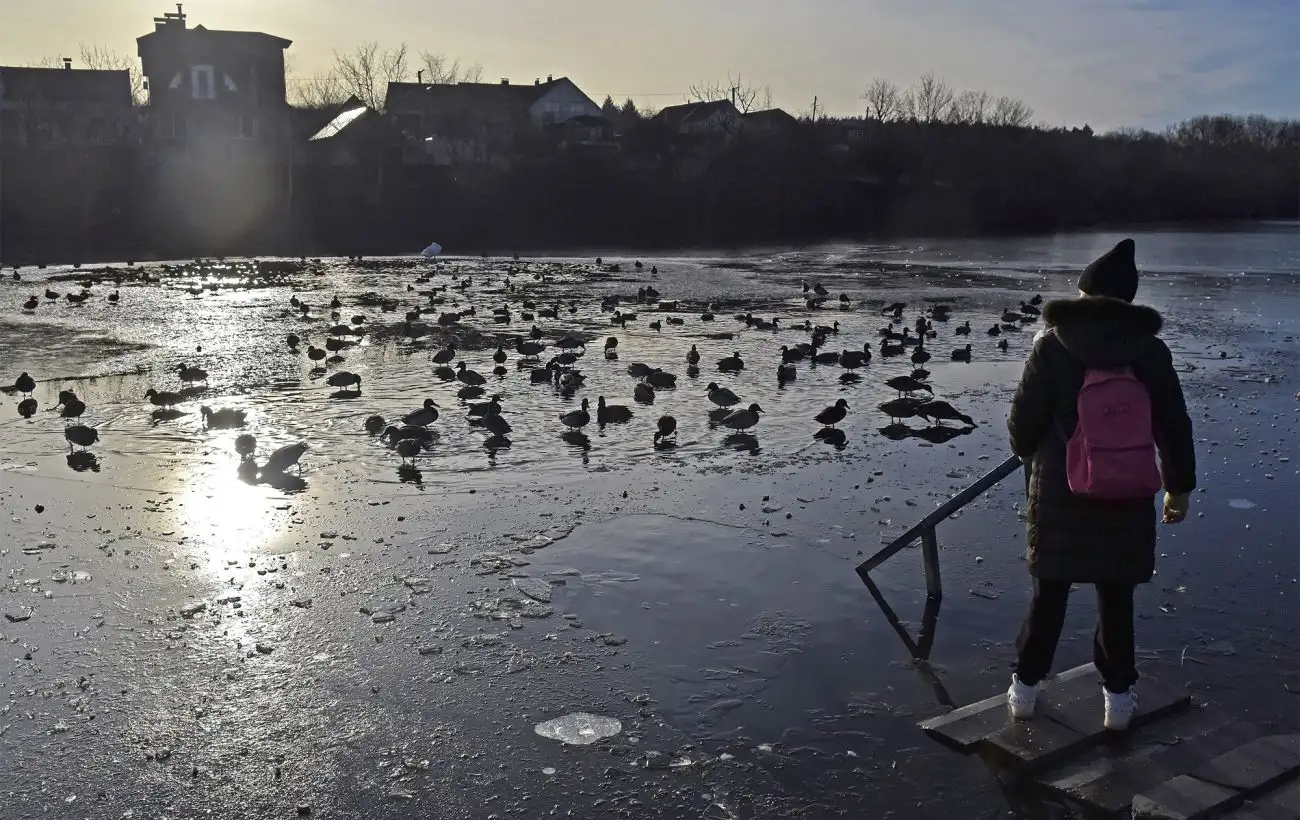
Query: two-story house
point(486, 123)
point(65, 137)
point(221, 141)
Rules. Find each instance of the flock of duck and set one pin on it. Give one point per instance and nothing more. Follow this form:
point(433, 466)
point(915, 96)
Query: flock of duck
point(557, 362)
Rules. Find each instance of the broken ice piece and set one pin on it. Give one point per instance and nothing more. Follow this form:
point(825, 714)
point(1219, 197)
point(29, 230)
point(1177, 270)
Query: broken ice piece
point(22, 613)
point(536, 589)
point(192, 609)
point(579, 728)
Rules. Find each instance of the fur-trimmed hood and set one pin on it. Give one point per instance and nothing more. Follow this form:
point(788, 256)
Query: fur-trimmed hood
point(1100, 331)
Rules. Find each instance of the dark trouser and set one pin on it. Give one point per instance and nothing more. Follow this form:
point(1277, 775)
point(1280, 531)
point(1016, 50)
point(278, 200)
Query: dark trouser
point(1112, 645)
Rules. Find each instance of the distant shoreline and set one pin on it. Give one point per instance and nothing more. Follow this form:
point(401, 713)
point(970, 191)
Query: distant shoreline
point(578, 248)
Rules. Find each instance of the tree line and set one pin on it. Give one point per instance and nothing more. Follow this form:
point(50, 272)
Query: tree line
point(930, 99)
point(923, 159)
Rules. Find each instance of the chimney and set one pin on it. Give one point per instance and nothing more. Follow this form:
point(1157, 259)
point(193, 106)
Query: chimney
point(67, 63)
point(537, 81)
point(419, 76)
point(505, 81)
point(548, 78)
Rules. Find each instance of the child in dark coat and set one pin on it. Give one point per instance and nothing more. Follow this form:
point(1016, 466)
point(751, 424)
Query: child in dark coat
point(1077, 538)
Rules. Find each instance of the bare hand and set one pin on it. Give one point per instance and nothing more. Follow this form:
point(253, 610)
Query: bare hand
point(1176, 507)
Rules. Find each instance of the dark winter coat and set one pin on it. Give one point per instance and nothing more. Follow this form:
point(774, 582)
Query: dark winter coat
point(1074, 538)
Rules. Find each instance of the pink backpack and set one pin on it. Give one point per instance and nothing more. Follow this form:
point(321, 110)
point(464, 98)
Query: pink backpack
point(1112, 453)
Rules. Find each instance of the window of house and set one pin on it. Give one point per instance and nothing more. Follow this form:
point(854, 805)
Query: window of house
point(203, 82)
point(247, 126)
point(170, 126)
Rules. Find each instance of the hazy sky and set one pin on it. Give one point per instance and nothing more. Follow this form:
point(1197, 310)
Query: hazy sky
point(1104, 62)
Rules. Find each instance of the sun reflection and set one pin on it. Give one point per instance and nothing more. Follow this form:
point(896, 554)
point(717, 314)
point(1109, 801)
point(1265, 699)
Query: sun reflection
point(226, 521)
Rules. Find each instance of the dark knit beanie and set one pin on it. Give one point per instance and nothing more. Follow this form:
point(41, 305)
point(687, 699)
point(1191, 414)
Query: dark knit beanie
point(1113, 274)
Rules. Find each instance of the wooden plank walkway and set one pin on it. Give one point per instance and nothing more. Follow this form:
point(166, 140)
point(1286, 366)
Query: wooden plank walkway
point(1176, 762)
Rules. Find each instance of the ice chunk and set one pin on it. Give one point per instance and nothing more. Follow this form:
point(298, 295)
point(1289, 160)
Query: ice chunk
point(579, 728)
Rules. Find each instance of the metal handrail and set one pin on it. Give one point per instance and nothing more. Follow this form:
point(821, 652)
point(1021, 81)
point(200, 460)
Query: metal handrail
point(925, 529)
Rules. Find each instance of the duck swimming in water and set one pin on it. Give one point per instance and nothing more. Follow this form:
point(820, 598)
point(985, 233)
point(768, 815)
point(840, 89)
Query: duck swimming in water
point(423, 417)
point(163, 398)
point(576, 419)
point(731, 364)
point(224, 418)
point(611, 413)
point(466, 376)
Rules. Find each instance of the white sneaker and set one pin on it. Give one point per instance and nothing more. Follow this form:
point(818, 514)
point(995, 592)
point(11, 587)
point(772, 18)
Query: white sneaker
point(1119, 709)
point(1022, 699)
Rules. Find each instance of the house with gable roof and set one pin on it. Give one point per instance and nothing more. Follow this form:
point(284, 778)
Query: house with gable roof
point(489, 123)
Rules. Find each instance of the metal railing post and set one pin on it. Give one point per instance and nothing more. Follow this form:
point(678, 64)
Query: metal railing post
point(930, 553)
point(925, 529)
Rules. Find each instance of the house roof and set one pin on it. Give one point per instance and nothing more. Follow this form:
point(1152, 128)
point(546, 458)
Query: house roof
point(61, 85)
point(351, 119)
point(421, 95)
point(772, 117)
point(679, 115)
point(224, 38)
point(349, 113)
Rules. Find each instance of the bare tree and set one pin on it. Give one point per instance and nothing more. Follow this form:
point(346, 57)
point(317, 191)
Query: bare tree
point(316, 92)
point(931, 98)
point(744, 97)
point(1010, 112)
point(437, 69)
point(103, 58)
point(970, 107)
point(884, 100)
point(366, 71)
